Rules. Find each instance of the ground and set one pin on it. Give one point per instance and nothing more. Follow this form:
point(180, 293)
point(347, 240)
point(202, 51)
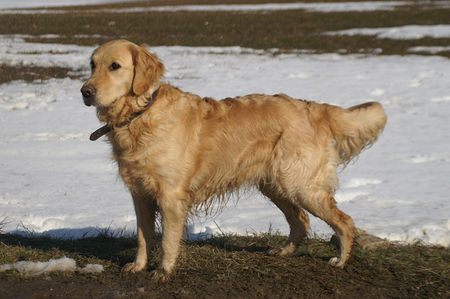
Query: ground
point(227, 265)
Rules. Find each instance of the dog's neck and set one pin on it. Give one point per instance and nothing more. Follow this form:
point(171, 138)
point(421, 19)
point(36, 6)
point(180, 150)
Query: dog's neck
point(124, 111)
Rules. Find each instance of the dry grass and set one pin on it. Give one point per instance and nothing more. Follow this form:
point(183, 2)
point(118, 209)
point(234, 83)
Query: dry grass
point(34, 73)
point(230, 266)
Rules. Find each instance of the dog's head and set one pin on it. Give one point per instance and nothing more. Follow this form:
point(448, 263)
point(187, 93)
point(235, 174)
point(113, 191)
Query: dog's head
point(120, 68)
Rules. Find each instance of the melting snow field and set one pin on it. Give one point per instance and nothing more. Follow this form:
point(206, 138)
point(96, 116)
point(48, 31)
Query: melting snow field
point(14, 4)
point(20, 6)
point(54, 180)
point(401, 32)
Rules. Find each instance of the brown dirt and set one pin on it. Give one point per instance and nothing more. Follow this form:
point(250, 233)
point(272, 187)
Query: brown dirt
point(34, 73)
point(229, 266)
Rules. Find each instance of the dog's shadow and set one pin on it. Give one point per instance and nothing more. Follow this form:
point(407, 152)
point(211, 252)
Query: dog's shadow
point(265, 244)
point(121, 249)
point(86, 242)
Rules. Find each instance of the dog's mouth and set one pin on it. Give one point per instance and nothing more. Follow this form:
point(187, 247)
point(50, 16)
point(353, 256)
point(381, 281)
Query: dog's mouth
point(87, 101)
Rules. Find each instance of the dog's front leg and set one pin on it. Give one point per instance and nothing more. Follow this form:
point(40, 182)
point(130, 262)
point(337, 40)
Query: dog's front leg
point(173, 211)
point(145, 208)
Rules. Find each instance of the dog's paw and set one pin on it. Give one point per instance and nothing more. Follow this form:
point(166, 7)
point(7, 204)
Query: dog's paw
point(160, 275)
point(282, 251)
point(336, 262)
point(132, 268)
point(274, 251)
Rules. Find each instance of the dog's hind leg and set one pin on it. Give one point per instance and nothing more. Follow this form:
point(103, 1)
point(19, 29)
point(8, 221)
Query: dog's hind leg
point(145, 208)
point(296, 217)
point(322, 204)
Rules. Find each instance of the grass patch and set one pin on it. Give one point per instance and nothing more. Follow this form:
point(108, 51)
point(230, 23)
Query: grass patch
point(229, 266)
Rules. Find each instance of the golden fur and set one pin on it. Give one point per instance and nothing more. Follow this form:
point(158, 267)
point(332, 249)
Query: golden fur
point(184, 150)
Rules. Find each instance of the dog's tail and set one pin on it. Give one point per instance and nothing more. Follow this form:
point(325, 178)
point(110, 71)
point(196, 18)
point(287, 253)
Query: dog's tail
point(356, 128)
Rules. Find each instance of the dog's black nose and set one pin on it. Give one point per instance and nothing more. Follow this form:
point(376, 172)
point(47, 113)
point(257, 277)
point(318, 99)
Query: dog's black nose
point(88, 92)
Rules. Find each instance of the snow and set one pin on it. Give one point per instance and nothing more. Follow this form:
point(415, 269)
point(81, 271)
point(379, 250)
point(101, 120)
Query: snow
point(54, 181)
point(401, 32)
point(313, 7)
point(63, 264)
point(7, 4)
point(317, 7)
point(430, 49)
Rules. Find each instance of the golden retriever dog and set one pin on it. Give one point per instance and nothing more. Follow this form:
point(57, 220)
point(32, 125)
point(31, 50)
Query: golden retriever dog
point(176, 150)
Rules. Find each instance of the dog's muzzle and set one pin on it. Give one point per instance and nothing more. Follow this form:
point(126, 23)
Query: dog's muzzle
point(88, 91)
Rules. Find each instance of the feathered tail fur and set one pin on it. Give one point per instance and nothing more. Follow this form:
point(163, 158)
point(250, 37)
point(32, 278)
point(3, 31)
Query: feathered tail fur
point(356, 128)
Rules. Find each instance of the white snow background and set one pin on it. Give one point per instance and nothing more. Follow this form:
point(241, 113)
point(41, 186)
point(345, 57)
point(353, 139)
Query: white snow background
point(53, 180)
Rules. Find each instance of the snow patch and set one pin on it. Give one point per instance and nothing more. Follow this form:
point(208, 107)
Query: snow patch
point(63, 264)
point(55, 181)
point(441, 99)
point(298, 75)
point(402, 32)
point(49, 136)
point(317, 7)
point(419, 159)
point(7, 6)
point(428, 234)
point(378, 92)
point(49, 3)
point(429, 49)
point(358, 182)
point(346, 196)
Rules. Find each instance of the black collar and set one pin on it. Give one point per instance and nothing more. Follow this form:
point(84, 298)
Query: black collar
point(106, 128)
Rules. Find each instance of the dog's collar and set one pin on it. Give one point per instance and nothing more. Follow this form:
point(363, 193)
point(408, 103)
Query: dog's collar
point(107, 128)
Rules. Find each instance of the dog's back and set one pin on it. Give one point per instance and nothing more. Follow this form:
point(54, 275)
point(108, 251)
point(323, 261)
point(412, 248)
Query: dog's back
point(253, 138)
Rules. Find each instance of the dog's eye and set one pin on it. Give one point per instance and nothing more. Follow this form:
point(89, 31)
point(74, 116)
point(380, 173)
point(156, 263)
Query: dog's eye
point(114, 66)
point(92, 65)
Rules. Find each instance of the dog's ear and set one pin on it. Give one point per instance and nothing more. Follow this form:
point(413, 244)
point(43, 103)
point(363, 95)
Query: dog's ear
point(147, 69)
